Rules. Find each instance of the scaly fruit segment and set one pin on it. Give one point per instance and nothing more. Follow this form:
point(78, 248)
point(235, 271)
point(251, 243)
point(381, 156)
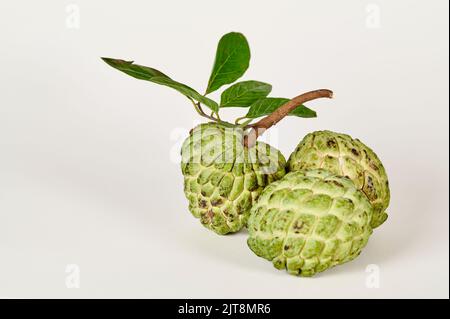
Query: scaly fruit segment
point(222, 178)
point(345, 156)
point(310, 221)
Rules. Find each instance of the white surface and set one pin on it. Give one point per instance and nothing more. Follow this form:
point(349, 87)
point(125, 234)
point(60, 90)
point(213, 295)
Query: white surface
point(86, 169)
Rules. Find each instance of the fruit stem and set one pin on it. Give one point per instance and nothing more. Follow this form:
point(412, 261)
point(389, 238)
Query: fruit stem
point(239, 119)
point(244, 125)
point(200, 111)
point(258, 128)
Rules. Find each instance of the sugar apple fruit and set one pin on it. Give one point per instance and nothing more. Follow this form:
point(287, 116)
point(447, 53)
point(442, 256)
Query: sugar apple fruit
point(345, 156)
point(222, 178)
point(309, 221)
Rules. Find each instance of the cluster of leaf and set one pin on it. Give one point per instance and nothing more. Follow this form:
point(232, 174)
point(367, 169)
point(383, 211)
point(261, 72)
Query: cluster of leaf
point(231, 62)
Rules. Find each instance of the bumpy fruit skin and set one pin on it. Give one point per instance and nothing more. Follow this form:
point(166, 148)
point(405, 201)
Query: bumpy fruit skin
point(345, 156)
point(310, 221)
point(222, 178)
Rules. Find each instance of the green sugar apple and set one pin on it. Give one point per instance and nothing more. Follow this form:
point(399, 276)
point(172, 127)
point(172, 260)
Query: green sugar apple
point(222, 178)
point(310, 221)
point(345, 156)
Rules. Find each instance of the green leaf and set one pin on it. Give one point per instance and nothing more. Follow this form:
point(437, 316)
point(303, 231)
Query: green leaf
point(232, 60)
point(149, 74)
point(268, 105)
point(265, 106)
point(303, 111)
point(244, 93)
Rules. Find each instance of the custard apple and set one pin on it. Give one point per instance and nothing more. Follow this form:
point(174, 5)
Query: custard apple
point(345, 156)
point(310, 221)
point(222, 178)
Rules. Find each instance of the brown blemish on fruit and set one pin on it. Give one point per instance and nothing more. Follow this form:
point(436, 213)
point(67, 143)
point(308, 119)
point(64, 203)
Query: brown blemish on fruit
point(216, 202)
point(337, 184)
point(373, 166)
point(369, 189)
point(369, 183)
point(202, 203)
point(331, 143)
point(298, 226)
point(355, 152)
point(209, 215)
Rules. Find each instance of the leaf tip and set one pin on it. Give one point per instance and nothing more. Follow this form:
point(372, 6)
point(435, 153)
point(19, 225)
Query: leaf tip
point(114, 62)
point(105, 59)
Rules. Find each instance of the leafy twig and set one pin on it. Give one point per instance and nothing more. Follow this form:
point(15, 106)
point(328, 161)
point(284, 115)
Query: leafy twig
point(198, 108)
point(258, 128)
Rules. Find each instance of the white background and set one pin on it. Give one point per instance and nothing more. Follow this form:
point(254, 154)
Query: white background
point(88, 171)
